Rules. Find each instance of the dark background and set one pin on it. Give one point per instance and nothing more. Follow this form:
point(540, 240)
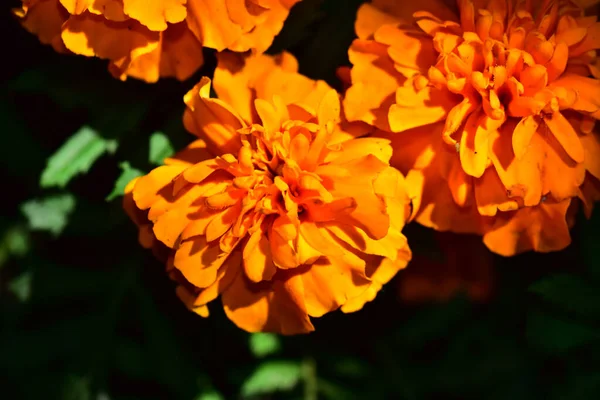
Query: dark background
point(86, 313)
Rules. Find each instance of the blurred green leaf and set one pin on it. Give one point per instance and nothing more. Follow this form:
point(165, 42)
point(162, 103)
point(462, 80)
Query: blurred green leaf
point(570, 292)
point(50, 214)
point(556, 335)
point(77, 388)
point(14, 242)
point(75, 156)
point(263, 344)
point(272, 376)
point(127, 174)
point(21, 286)
point(210, 395)
point(160, 148)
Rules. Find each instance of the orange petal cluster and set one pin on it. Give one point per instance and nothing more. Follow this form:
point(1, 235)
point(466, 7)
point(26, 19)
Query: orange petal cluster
point(491, 106)
point(149, 39)
point(279, 208)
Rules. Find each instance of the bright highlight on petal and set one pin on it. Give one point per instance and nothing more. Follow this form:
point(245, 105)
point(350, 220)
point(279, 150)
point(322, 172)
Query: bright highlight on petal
point(513, 90)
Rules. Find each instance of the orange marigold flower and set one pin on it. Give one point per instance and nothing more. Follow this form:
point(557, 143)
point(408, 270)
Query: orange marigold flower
point(149, 39)
point(491, 107)
point(278, 209)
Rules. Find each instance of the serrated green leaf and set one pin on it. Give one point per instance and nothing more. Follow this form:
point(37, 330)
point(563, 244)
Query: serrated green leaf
point(50, 214)
point(160, 148)
point(556, 335)
point(75, 156)
point(570, 292)
point(21, 286)
point(272, 376)
point(128, 173)
point(263, 344)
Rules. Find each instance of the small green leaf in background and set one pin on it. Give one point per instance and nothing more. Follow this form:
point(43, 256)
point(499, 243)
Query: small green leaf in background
point(50, 214)
point(263, 344)
point(14, 242)
point(75, 156)
point(21, 286)
point(127, 174)
point(77, 388)
point(557, 335)
point(569, 292)
point(210, 395)
point(160, 148)
point(272, 376)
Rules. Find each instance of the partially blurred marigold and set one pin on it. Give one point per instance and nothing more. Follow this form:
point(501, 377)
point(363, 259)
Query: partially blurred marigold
point(278, 209)
point(148, 39)
point(462, 265)
point(491, 107)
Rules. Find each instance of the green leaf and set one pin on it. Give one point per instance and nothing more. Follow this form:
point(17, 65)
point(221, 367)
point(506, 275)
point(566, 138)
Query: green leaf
point(14, 242)
point(75, 156)
point(128, 173)
point(272, 376)
point(50, 214)
point(21, 286)
point(160, 148)
point(570, 292)
point(263, 344)
point(210, 395)
point(77, 388)
point(556, 335)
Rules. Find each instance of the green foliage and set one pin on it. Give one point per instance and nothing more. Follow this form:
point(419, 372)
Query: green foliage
point(554, 334)
point(127, 175)
point(49, 214)
point(21, 286)
point(75, 156)
point(160, 148)
point(570, 292)
point(264, 344)
point(272, 376)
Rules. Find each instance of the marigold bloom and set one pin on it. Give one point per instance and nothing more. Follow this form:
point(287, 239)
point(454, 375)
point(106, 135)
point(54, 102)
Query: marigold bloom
point(148, 39)
point(278, 208)
point(491, 107)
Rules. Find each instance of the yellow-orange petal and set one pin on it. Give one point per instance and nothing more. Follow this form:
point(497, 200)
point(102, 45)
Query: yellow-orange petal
point(212, 119)
point(415, 108)
point(542, 228)
point(258, 263)
point(329, 283)
point(155, 14)
point(563, 131)
point(199, 261)
point(278, 308)
point(91, 35)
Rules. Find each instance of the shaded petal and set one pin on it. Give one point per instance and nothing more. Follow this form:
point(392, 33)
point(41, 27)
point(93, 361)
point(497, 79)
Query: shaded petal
point(212, 119)
point(542, 228)
point(278, 307)
point(328, 284)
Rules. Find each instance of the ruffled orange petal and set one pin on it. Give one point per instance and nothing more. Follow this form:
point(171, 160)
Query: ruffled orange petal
point(155, 14)
point(44, 18)
point(278, 308)
point(212, 119)
point(91, 35)
point(542, 228)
